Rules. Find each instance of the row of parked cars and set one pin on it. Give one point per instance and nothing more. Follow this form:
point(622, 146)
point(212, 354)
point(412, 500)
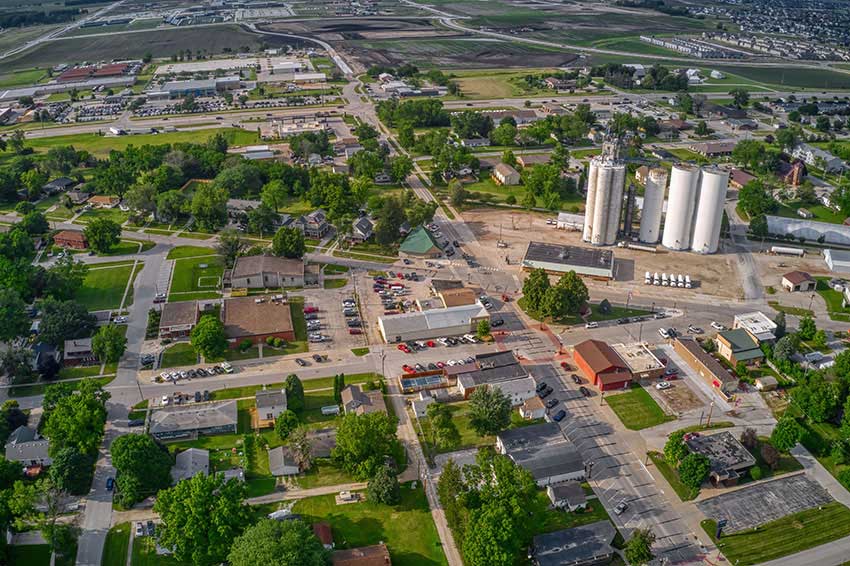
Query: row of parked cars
point(314, 325)
point(419, 368)
point(352, 316)
point(416, 345)
point(179, 398)
point(175, 376)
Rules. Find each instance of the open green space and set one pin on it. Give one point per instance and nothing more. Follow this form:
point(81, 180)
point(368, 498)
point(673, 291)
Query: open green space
point(637, 409)
point(29, 555)
point(190, 251)
point(833, 299)
point(309, 385)
point(129, 247)
point(114, 214)
point(334, 283)
point(360, 351)
point(28, 390)
point(785, 536)
point(322, 473)
point(104, 288)
point(407, 528)
point(819, 212)
point(685, 493)
point(595, 316)
point(144, 554)
point(100, 146)
point(22, 78)
point(193, 275)
point(116, 546)
point(487, 190)
point(796, 311)
point(180, 354)
point(79, 372)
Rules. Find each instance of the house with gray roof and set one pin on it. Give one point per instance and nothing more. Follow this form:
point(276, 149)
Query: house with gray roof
point(356, 400)
point(362, 229)
point(191, 421)
point(282, 462)
point(270, 403)
point(26, 446)
point(314, 225)
point(544, 451)
point(190, 463)
point(580, 546)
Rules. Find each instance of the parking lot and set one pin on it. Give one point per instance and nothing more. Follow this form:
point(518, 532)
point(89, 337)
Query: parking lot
point(330, 315)
point(753, 506)
point(374, 304)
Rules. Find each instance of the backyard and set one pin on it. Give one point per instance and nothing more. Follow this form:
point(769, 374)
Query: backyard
point(116, 545)
point(637, 409)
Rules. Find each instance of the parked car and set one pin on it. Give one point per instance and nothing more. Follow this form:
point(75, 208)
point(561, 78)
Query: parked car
point(559, 416)
point(576, 379)
point(110, 484)
point(140, 529)
point(300, 362)
point(620, 508)
point(545, 393)
point(717, 326)
point(541, 386)
point(136, 422)
point(591, 325)
point(661, 385)
point(551, 403)
point(497, 322)
point(355, 331)
point(584, 391)
point(664, 333)
point(319, 359)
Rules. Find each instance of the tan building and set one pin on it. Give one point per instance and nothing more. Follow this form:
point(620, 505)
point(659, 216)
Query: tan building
point(267, 272)
point(255, 319)
point(709, 370)
point(798, 281)
point(104, 201)
point(178, 319)
point(458, 297)
point(505, 175)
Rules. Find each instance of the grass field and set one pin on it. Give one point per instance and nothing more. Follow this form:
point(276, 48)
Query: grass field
point(104, 288)
point(180, 252)
point(833, 299)
point(820, 213)
point(194, 275)
point(114, 214)
point(684, 492)
point(116, 546)
point(407, 528)
point(100, 146)
point(785, 536)
point(22, 78)
point(334, 283)
point(491, 192)
point(637, 409)
point(29, 555)
point(144, 554)
point(180, 354)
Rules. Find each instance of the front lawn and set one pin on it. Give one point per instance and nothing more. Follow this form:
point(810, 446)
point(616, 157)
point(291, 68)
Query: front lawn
point(116, 546)
point(196, 275)
point(785, 536)
point(103, 288)
point(180, 354)
point(335, 283)
point(684, 492)
point(637, 409)
point(595, 316)
point(129, 247)
point(144, 554)
point(189, 251)
point(407, 528)
point(833, 299)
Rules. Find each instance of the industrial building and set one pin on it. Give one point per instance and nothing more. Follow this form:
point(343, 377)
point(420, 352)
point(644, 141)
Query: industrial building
point(640, 360)
point(695, 209)
point(794, 281)
point(435, 323)
point(198, 88)
point(653, 204)
point(709, 211)
point(559, 259)
point(606, 180)
point(837, 260)
point(680, 207)
point(738, 346)
point(190, 421)
point(707, 368)
point(256, 319)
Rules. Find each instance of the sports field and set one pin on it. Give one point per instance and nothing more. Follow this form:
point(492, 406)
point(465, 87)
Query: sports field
point(194, 277)
point(103, 288)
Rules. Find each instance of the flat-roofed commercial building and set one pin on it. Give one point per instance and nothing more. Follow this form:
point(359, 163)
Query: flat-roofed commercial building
point(255, 319)
point(640, 360)
point(757, 324)
point(434, 323)
point(709, 369)
point(558, 259)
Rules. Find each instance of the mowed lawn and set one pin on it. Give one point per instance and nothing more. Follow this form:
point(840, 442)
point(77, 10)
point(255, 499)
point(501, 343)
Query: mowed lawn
point(144, 554)
point(407, 528)
point(103, 288)
point(116, 546)
point(785, 536)
point(637, 409)
point(177, 355)
point(196, 275)
point(189, 251)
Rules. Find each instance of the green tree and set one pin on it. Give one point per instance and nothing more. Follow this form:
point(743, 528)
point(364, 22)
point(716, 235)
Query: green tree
point(555, 303)
point(170, 206)
point(489, 410)
point(208, 337)
point(675, 448)
point(289, 242)
point(201, 518)
point(779, 321)
point(274, 194)
point(109, 343)
point(13, 313)
point(638, 549)
point(443, 429)
point(77, 420)
point(755, 199)
point(577, 293)
point(388, 220)
point(490, 539)
point(72, 471)
point(383, 487)
point(301, 447)
point(702, 129)
point(143, 465)
point(457, 194)
point(534, 289)
point(34, 223)
point(740, 97)
point(102, 234)
point(786, 434)
point(230, 245)
point(508, 158)
point(483, 329)
point(785, 347)
point(64, 320)
point(807, 328)
point(400, 167)
point(819, 340)
point(262, 220)
point(294, 393)
point(278, 543)
point(693, 470)
point(406, 135)
point(209, 206)
point(363, 442)
point(285, 423)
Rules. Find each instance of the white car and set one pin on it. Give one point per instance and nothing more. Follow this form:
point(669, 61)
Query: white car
point(166, 400)
point(661, 385)
point(471, 338)
point(717, 326)
point(443, 341)
point(140, 529)
point(451, 363)
point(120, 319)
point(592, 325)
point(664, 333)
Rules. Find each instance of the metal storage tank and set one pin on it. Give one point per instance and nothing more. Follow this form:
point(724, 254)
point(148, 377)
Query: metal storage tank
point(590, 203)
point(615, 207)
point(604, 204)
point(709, 211)
point(680, 207)
point(653, 204)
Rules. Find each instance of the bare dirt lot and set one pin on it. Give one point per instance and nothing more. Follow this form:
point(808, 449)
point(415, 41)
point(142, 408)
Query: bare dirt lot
point(679, 398)
point(715, 274)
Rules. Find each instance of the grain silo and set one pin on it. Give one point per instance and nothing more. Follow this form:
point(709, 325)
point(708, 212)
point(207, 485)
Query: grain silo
point(709, 210)
point(680, 207)
point(653, 204)
point(605, 182)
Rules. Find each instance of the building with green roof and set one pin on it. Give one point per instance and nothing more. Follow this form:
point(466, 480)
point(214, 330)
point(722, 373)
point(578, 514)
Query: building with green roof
point(419, 243)
point(739, 346)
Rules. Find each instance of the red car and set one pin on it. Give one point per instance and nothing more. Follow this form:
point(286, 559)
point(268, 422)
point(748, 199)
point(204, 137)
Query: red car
point(355, 331)
point(408, 369)
point(404, 348)
point(309, 309)
point(566, 366)
point(400, 275)
point(441, 365)
point(390, 312)
point(430, 344)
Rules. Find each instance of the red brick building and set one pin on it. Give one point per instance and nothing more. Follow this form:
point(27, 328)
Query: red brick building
point(602, 365)
point(73, 239)
point(255, 319)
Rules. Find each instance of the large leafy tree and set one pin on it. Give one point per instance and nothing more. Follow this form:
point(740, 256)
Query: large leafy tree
point(363, 442)
point(278, 543)
point(201, 518)
point(294, 393)
point(64, 278)
point(143, 466)
point(102, 234)
point(72, 471)
point(285, 423)
point(755, 199)
point(786, 434)
point(490, 539)
point(274, 194)
point(675, 448)
point(693, 470)
point(388, 220)
point(230, 245)
point(109, 343)
point(534, 289)
point(638, 549)
point(383, 487)
point(64, 320)
point(77, 420)
point(208, 337)
point(209, 206)
point(13, 313)
point(489, 410)
point(289, 242)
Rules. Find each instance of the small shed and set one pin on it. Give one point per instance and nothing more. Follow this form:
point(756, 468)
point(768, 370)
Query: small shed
point(567, 495)
point(794, 281)
point(766, 383)
point(532, 408)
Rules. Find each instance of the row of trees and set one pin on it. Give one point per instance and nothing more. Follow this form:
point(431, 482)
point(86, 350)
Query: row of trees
point(567, 297)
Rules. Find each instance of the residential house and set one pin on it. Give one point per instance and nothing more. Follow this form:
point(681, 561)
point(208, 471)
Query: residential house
point(713, 149)
point(794, 281)
point(362, 230)
point(314, 225)
point(642, 174)
point(528, 160)
point(375, 555)
point(255, 319)
point(78, 352)
point(568, 495)
point(78, 197)
point(282, 462)
point(26, 446)
point(325, 535)
point(189, 463)
point(176, 320)
point(359, 402)
point(475, 142)
point(73, 239)
point(270, 403)
point(421, 402)
point(532, 409)
point(766, 383)
point(738, 178)
point(267, 272)
point(817, 157)
point(104, 201)
point(738, 346)
point(191, 421)
point(58, 185)
point(42, 352)
point(544, 451)
point(506, 175)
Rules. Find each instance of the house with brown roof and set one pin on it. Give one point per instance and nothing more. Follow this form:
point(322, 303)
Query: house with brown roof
point(738, 178)
point(324, 533)
point(104, 201)
point(267, 272)
point(375, 555)
point(602, 365)
point(77, 196)
point(255, 319)
point(798, 281)
point(713, 149)
point(534, 159)
point(73, 239)
point(709, 369)
point(178, 319)
point(78, 352)
point(359, 402)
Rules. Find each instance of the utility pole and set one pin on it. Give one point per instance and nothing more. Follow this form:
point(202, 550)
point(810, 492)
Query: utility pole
point(710, 410)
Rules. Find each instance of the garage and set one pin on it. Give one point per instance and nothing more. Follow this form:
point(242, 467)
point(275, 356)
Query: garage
point(602, 365)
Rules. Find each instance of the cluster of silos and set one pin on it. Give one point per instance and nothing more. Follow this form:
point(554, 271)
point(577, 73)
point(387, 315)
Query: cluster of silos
point(606, 180)
point(694, 209)
point(653, 204)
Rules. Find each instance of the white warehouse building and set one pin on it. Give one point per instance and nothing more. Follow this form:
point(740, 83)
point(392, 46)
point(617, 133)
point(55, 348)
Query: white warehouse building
point(424, 325)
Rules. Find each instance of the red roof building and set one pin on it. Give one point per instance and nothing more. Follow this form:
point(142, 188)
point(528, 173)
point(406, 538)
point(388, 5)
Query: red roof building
point(74, 239)
point(602, 365)
point(324, 534)
point(75, 74)
point(111, 70)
